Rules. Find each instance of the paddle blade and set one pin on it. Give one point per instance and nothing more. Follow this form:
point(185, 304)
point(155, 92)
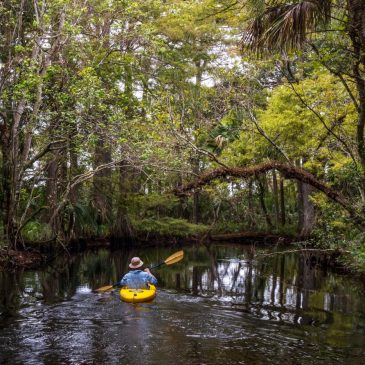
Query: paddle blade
point(103, 289)
point(176, 257)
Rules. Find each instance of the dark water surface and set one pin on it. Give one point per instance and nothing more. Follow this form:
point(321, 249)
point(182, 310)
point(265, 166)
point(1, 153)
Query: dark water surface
point(218, 306)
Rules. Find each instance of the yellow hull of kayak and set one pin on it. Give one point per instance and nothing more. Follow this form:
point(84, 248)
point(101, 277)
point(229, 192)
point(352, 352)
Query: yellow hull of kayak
point(138, 295)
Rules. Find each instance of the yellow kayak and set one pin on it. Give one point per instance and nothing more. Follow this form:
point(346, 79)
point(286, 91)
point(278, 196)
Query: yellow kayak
point(138, 295)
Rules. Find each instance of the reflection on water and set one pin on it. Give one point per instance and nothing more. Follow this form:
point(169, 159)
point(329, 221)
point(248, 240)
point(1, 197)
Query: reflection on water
point(217, 306)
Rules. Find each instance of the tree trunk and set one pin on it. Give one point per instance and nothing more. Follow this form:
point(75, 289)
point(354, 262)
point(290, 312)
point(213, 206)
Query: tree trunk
point(181, 206)
point(356, 29)
point(12, 162)
point(196, 212)
point(4, 169)
point(282, 202)
point(306, 210)
point(73, 230)
point(275, 198)
point(18, 126)
point(263, 204)
point(251, 209)
point(102, 187)
point(122, 227)
point(200, 66)
point(51, 193)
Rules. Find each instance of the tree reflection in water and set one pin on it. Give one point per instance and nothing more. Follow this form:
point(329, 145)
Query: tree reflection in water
point(227, 284)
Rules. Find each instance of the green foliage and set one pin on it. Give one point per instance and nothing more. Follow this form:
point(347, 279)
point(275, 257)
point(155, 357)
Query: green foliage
point(36, 231)
point(86, 218)
point(356, 259)
point(295, 127)
point(161, 91)
point(150, 205)
point(228, 226)
point(333, 229)
point(169, 227)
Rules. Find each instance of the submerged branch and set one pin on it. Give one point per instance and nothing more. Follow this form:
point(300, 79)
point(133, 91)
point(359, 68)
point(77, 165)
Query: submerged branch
point(319, 250)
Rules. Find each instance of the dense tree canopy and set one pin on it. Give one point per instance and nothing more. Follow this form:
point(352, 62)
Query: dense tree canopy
point(109, 107)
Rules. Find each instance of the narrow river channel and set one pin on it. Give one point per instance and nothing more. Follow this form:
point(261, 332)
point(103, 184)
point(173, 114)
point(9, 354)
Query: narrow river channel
point(217, 306)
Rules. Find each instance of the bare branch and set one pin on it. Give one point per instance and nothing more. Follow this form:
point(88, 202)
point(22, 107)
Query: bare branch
point(77, 180)
point(40, 154)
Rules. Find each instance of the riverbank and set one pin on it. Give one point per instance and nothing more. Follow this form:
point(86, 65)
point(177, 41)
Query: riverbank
point(29, 259)
point(34, 254)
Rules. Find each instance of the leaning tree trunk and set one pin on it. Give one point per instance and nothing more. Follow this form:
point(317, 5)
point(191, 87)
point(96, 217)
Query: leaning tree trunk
point(289, 172)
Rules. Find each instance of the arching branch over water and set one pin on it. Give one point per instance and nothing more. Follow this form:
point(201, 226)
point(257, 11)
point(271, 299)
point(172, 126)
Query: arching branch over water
point(290, 172)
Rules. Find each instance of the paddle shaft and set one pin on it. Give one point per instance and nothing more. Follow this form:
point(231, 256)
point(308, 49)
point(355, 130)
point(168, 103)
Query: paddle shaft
point(176, 257)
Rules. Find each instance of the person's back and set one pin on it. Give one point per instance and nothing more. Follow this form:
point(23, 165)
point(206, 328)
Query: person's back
point(136, 278)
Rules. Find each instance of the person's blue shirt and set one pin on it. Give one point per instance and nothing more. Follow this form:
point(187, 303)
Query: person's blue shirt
point(137, 279)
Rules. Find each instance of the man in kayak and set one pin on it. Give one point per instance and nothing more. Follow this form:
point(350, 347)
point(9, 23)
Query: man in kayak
point(137, 278)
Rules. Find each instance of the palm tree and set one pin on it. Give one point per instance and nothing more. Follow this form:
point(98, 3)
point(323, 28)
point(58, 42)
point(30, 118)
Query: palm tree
point(286, 25)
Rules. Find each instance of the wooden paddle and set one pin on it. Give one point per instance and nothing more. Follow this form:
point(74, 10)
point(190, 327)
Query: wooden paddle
point(174, 258)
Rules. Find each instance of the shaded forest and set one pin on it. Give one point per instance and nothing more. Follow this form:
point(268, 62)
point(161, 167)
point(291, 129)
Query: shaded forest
point(179, 118)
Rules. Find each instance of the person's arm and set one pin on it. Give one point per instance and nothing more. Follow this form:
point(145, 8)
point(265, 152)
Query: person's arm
point(123, 280)
point(148, 271)
point(151, 277)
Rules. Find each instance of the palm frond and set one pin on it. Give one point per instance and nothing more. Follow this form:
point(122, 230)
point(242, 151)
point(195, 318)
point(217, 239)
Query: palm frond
point(284, 26)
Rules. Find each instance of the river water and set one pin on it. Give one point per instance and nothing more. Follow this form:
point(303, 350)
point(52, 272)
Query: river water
point(221, 305)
